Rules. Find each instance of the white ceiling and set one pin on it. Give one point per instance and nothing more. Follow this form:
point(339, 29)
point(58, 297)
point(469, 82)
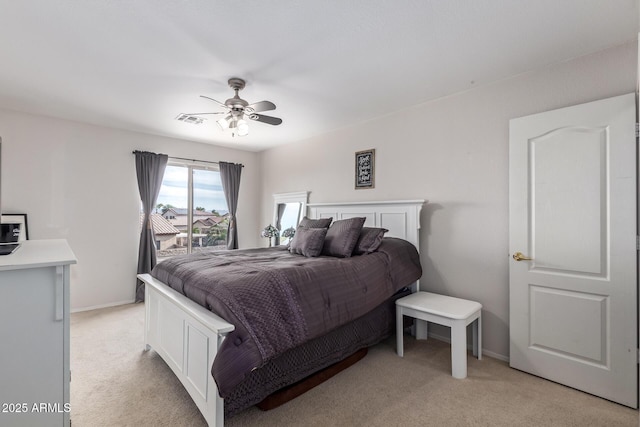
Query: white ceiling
point(326, 64)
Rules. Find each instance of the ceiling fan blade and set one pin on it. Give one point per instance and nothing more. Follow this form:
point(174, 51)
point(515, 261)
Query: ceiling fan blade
point(265, 119)
point(216, 101)
point(260, 106)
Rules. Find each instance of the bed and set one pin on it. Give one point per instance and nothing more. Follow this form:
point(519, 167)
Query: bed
point(190, 336)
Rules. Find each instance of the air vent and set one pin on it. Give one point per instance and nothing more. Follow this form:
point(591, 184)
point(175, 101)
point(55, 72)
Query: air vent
point(194, 120)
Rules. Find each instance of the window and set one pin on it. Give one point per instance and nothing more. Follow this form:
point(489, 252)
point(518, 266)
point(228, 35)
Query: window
point(191, 212)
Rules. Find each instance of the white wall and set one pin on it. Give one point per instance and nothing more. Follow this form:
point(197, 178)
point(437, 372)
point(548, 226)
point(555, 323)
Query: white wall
point(78, 182)
point(454, 153)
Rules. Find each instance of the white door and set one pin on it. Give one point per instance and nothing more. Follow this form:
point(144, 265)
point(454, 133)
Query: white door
point(572, 210)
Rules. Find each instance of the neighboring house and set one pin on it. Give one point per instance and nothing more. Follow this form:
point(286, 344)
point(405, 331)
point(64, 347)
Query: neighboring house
point(173, 213)
point(170, 213)
point(165, 233)
point(202, 220)
point(205, 224)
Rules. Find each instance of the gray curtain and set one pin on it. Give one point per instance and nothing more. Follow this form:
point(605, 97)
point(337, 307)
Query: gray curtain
point(281, 208)
point(150, 170)
point(230, 177)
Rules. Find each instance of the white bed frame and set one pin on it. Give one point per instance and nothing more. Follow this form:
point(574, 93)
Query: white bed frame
point(187, 336)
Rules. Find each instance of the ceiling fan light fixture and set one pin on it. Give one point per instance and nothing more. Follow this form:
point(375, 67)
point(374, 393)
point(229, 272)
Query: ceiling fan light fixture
point(223, 123)
point(243, 127)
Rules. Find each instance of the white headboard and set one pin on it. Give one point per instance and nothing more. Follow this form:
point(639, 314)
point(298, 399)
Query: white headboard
point(400, 217)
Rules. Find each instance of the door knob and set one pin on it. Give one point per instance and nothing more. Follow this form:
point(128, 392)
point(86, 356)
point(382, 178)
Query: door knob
point(519, 256)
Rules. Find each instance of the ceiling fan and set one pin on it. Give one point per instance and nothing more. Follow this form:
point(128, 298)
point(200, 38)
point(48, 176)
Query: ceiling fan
point(237, 109)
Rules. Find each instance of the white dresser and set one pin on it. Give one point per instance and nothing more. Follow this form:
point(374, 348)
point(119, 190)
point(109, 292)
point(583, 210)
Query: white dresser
point(34, 334)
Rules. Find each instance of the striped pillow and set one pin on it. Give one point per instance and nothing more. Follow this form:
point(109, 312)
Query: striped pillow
point(342, 237)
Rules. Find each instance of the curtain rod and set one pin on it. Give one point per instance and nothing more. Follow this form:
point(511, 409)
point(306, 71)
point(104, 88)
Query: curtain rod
point(182, 158)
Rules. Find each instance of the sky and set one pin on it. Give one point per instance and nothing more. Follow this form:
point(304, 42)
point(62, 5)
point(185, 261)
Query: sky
point(207, 189)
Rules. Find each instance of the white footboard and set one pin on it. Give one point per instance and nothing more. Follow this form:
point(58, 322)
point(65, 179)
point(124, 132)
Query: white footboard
point(187, 337)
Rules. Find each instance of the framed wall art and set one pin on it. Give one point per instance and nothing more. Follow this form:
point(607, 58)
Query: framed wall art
point(365, 169)
point(20, 219)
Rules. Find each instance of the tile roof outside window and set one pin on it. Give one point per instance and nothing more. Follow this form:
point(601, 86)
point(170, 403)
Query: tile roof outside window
point(160, 225)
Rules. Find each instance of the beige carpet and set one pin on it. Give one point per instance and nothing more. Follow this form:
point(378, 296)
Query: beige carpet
point(115, 383)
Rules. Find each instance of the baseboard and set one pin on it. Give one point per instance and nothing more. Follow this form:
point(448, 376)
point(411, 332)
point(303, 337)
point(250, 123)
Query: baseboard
point(470, 347)
point(96, 307)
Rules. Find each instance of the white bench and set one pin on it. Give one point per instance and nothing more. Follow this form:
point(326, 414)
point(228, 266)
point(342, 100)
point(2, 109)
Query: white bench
point(448, 311)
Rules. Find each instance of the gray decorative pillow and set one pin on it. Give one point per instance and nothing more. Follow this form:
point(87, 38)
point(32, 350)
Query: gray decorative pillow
point(369, 240)
point(342, 237)
point(308, 241)
point(315, 223)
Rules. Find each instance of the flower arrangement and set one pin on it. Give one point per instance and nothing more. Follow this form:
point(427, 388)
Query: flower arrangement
point(269, 231)
point(289, 232)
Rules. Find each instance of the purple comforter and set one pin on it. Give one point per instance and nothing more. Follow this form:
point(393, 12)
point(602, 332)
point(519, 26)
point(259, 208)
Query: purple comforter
point(277, 300)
